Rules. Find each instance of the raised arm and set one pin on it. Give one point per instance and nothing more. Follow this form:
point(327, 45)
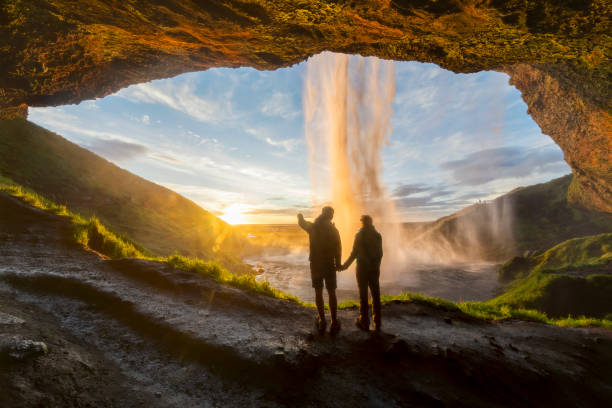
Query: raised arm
point(306, 225)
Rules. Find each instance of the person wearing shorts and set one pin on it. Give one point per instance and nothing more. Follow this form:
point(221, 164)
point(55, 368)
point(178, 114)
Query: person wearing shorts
point(325, 260)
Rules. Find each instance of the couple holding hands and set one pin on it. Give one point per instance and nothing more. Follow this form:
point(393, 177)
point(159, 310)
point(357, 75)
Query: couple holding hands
point(325, 261)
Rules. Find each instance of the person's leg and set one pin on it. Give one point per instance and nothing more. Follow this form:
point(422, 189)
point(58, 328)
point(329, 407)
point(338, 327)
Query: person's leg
point(317, 284)
point(362, 284)
point(333, 305)
point(330, 285)
point(375, 289)
point(320, 304)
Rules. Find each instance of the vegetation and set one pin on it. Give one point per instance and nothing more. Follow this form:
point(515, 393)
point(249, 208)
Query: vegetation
point(490, 311)
point(535, 218)
point(544, 217)
point(159, 219)
point(92, 234)
point(572, 277)
point(88, 232)
point(585, 253)
point(222, 275)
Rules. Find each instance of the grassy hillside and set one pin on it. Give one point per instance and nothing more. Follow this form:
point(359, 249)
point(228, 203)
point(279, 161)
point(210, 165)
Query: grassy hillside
point(545, 218)
point(574, 277)
point(161, 220)
point(91, 234)
point(536, 218)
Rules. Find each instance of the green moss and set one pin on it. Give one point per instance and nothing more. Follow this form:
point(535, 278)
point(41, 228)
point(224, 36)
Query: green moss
point(222, 275)
point(491, 311)
point(564, 280)
point(585, 252)
point(157, 218)
point(92, 234)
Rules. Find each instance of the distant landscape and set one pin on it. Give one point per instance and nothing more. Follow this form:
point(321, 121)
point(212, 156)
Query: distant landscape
point(164, 222)
point(160, 220)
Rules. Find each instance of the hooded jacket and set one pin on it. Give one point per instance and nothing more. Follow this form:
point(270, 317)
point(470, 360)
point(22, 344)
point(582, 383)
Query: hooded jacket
point(367, 249)
point(325, 245)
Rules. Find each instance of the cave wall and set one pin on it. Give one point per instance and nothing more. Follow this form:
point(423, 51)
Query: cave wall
point(556, 52)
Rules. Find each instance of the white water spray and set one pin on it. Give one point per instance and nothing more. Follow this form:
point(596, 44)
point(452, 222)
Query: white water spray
point(348, 108)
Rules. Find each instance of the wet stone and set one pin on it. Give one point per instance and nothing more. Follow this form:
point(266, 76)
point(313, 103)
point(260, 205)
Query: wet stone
point(16, 348)
point(10, 319)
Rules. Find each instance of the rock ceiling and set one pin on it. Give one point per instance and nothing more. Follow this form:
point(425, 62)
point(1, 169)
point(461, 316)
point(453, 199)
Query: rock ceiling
point(557, 53)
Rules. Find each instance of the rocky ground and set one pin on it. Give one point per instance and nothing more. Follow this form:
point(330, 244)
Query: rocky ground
point(77, 330)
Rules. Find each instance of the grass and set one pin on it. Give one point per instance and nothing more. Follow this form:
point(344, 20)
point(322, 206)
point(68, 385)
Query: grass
point(491, 312)
point(564, 279)
point(92, 234)
point(159, 219)
point(89, 232)
point(222, 275)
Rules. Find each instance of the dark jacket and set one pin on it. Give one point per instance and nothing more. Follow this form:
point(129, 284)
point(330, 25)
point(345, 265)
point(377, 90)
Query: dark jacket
point(325, 246)
point(367, 249)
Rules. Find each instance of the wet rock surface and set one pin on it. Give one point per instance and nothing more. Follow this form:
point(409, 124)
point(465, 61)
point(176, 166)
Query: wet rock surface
point(17, 348)
point(133, 333)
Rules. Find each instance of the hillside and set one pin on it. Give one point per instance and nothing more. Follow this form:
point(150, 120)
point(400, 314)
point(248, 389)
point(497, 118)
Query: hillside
point(574, 277)
point(532, 218)
point(161, 220)
point(78, 330)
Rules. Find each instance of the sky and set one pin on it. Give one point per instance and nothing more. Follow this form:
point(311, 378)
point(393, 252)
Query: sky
point(232, 140)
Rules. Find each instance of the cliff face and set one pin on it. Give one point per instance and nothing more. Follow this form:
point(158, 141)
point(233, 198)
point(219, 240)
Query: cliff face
point(557, 52)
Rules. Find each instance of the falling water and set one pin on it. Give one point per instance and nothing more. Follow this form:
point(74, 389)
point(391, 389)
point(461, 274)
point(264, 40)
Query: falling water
point(348, 108)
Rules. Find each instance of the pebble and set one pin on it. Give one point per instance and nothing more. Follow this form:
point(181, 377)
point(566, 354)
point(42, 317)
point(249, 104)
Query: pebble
point(10, 319)
point(19, 349)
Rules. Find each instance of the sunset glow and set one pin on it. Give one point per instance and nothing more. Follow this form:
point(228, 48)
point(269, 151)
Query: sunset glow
point(234, 214)
point(227, 136)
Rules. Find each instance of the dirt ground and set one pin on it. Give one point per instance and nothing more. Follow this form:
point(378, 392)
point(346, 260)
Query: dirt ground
point(136, 333)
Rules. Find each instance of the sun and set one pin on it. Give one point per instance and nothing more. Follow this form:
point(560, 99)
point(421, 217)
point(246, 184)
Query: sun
point(234, 214)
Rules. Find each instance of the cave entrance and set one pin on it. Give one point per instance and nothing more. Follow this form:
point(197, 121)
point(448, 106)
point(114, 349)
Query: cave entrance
point(232, 140)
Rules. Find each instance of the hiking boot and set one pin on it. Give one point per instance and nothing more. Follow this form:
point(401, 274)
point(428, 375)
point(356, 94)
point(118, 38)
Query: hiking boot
point(320, 325)
point(334, 328)
point(361, 325)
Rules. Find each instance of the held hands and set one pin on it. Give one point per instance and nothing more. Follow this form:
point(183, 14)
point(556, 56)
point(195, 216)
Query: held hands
point(342, 267)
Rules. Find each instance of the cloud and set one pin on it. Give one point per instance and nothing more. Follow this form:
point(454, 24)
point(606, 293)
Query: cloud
point(273, 211)
point(420, 195)
point(180, 97)
point(116, 150)
point(280, 104)
point(409, 189)
point(288, 145)
point(487, 165)
point(430, 201)
point(164, 157)
point(146, 119)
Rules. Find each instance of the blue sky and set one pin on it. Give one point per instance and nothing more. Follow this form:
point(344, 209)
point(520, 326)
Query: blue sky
point(232, 140)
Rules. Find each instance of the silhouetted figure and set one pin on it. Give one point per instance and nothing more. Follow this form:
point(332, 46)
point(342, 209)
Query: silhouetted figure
point(325, 259)
point(367, 249)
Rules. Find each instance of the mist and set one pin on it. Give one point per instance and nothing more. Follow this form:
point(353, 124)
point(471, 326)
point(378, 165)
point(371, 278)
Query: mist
point(348, 109)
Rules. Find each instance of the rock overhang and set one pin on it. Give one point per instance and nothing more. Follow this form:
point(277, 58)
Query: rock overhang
point(556, 53)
